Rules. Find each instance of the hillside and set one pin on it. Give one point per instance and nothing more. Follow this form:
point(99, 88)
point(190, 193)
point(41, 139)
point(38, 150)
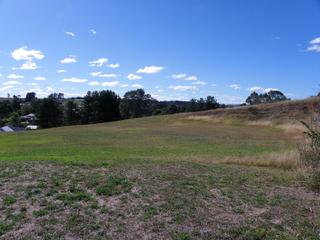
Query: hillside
point(287, 112)
point(184, 176)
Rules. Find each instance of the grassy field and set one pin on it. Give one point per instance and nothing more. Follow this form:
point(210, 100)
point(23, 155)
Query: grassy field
point(168, 177)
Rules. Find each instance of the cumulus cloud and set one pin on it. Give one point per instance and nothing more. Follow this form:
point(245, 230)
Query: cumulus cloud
point(74, 80)
point(234, 86)
point(314, 45)
point(183, 88)
point(94, 32)
point(191, 78)
point(28, 56)
point(136, 86)
point(314, 48)
point(114, 65)
point(99, 62)
point(14, 76)
point(39, 78)
point(105, 75)
point(110, 84)
point(11, 83)
point(199, 83)
point(132, 76)
point(150, 69)
point(256, 89)
point(315, 41)
point(71, 34)
point(70, 59)
point(24, 54)
point(261, 89)
point(179, 76)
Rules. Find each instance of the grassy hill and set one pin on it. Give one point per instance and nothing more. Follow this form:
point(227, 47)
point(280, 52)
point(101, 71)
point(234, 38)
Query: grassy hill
point(185, 176)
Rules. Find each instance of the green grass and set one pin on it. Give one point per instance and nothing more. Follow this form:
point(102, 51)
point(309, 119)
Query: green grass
point(157, 138)
point(154, 178)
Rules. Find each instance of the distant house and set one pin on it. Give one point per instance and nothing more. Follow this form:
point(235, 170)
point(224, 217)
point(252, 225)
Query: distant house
point(32, 127)
point(10, 128)
point(29, 118)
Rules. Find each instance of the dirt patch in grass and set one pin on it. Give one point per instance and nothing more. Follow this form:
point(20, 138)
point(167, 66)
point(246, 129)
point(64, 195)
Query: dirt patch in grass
point(168, 201)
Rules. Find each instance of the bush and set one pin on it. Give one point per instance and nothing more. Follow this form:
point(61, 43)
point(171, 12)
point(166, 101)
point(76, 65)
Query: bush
point(310, 152)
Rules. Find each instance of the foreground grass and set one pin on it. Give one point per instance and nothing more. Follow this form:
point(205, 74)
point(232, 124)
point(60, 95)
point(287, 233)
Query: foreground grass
point(158, 138)
point(172, 201)
point(154, 178)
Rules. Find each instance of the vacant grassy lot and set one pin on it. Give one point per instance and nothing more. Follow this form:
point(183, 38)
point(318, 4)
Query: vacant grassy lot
point(154, 178)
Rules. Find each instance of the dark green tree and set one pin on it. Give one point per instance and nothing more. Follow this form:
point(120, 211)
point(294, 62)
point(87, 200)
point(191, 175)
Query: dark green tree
point(136, 103)
point(72, 113)
point(30, 97)
point(101, 106)
point(50, 113)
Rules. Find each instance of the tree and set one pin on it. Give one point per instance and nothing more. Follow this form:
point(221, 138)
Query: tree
point(72, 113)
point(276, 96)
point(136, 103)
point(14, 119)
point(271, 96)
point(30, 97)
point(101, 106)
point(49, 113)
point(211, 103)
point(16, 101)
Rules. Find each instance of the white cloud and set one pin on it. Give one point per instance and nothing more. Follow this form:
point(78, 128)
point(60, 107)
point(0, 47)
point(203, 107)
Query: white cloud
point(183, 88)
point(24, 54)
point(199, 83)
point(136, 86)
point(150, 69)
point(191, 78)
point(5, 88)
point(28, 56)
point(29, 66)
point(114, 65)
point(124, 85)
point(234, 86)
point(71, 34)
point(105, 75)
point(314, 45)
point(0, 75)
point(110, 84)
point(99, 62)
point(261, 89)
point(39, 78)
point(74, 80)
point(179, 76)
point(94, 83)
point(14, 76)
point(270, 89)
point(132, 76)
point(315, 41)
point(61, 71)
point(94, 32)
point(11, 83)
point(70, 59)
point(314, 48)
point(256, 89)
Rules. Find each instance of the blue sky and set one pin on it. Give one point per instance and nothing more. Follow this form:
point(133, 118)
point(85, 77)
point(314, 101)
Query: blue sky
point(174, 49)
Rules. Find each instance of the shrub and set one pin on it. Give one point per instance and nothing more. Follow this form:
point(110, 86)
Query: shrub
point(310, 152)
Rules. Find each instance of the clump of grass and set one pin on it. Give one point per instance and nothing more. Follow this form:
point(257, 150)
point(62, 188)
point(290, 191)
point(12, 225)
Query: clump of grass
point(310, 152)
point(9, 200)
point(114, 185)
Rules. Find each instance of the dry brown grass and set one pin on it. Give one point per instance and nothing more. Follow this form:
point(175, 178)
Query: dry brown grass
point(285, 160)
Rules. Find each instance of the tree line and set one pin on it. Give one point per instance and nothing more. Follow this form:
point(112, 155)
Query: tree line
point(95, 107)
